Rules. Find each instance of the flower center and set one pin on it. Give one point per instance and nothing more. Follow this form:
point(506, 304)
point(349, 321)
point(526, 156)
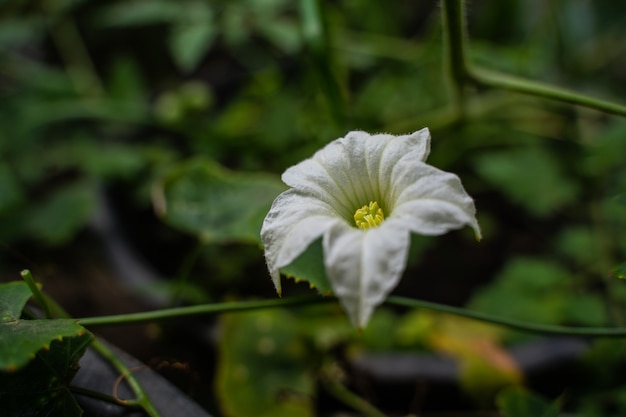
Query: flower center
point(369, 215)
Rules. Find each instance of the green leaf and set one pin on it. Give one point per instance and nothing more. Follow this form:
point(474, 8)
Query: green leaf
point(10, 191)
point(20, 340)
point(41, 387)
point(190, 42)
point(139, 13)
point(218, 205)
point(57, 219)
point(13, 298)
point(517, 402)
point(586, 309)
point(309, 266)
point(620, 271)
point(582, 246)
point(527, 289)
point(606, 153)
point(530, 177)
point(38, 358)
point(264, 366)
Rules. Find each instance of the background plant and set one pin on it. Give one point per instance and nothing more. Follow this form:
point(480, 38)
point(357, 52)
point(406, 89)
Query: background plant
point(136, 107)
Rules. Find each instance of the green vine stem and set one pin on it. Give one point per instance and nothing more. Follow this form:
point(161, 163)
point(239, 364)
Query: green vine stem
point(494, 79)
point(141, 399)
point(27, 276)
point(93, 394)
point(78, 63)
point(455, 40)
point(462, 72)
point(393, 300)
point(338, 390)
point(316, 39)
point(201, 309)
point(510, 323)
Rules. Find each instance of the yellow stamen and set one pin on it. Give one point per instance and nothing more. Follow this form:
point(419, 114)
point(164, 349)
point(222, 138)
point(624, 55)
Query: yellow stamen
point(369, 216)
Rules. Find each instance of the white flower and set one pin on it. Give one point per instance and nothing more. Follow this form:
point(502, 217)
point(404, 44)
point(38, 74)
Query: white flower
point(363, 194)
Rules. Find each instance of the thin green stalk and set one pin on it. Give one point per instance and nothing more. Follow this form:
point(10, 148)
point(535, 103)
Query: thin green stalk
point(606, 261)
point(202, 309)
point(513, 324)
point(455, 45)
point(316, 38)
point(36, 291)
point(455, 39)
point(462, 73)
point(75, 55)
point(93, 394)
point(343, 394)
point(393, 300)
point(141, 398)
point(494, 79)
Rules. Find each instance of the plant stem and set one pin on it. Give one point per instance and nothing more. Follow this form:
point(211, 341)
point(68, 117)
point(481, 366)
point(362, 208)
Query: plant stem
point(494, 79)
point(36, 291)
point(142, 400)
point(393, 300)
point(343, 394)
point(316, 38)
point(78, 63)
point(513, 324)
point(455, 39)
point(202, 309)
point(462, 73)
point(93, 394)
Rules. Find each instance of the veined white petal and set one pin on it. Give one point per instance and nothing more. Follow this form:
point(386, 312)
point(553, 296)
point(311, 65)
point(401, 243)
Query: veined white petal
point(431, 201)
point(316, 180)
point(348, 158)
point(413, 148)
point(354, 170)
point(365, 265)
point(292, 224)
point(434, 217)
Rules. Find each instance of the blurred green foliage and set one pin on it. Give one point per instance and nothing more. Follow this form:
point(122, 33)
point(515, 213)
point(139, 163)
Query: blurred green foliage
point(515, 402)
point(128, 99)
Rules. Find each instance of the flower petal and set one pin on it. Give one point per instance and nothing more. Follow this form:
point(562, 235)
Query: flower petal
point(413, 148)
point(431, 201)
point(292, 224)
point(314, 179)
point(354, 170)
point(364, 266)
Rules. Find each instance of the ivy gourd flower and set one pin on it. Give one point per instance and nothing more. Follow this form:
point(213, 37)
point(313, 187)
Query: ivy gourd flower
point(363, 195)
